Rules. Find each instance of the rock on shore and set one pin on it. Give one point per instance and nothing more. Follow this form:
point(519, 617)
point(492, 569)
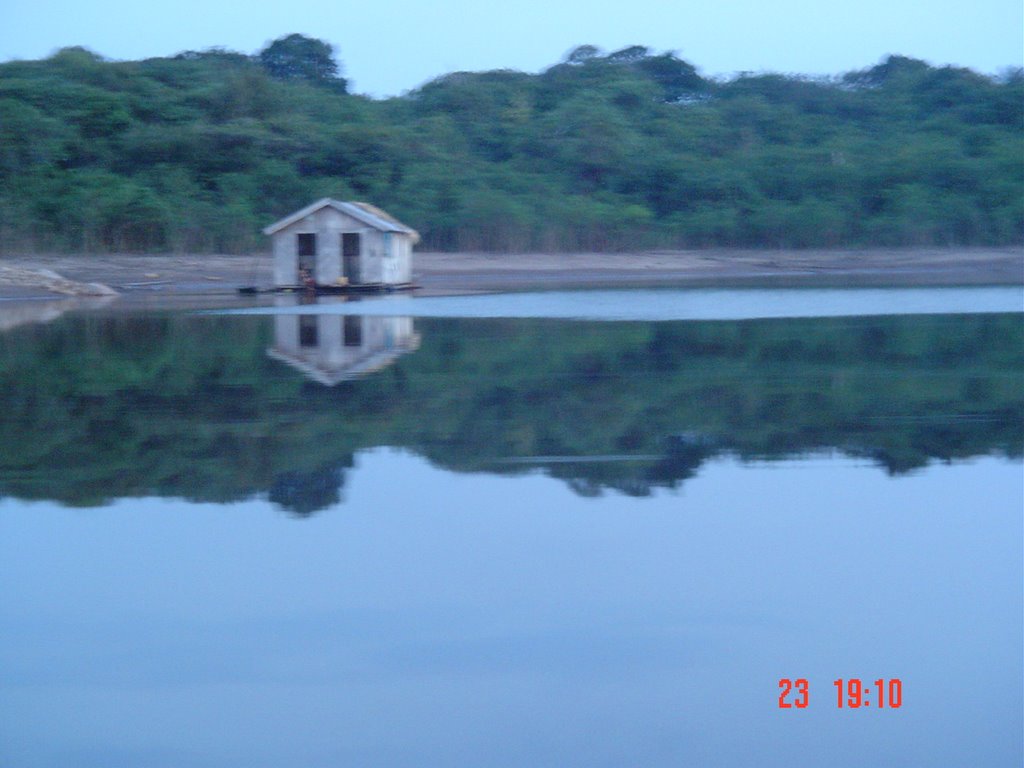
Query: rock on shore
point(51, 281)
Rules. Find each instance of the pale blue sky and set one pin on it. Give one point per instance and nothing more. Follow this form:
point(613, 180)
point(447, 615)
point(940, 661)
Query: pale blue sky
point(390, 46)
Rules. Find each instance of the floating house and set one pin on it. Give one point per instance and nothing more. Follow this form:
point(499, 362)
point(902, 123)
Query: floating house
point(334, 244)
point(330, 348)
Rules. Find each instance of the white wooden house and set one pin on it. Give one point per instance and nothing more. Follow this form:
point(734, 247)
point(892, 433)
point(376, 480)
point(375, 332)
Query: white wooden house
point(338, 243)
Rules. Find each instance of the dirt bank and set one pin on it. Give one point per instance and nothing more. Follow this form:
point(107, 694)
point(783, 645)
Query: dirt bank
point(453, 271)
point(170, 276)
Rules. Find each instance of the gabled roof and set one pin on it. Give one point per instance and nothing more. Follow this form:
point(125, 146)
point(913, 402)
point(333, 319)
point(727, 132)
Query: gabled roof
point(364, 212)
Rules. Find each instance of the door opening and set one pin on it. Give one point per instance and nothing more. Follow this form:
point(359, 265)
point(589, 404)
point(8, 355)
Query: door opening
point(308, 331)
point(350, 248)
point(352, 330)
point(307, 258)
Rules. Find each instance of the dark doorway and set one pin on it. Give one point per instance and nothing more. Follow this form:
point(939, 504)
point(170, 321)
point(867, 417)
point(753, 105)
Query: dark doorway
point(307, 258)
point(308, 332)
point(352, 330)
point(350, 246)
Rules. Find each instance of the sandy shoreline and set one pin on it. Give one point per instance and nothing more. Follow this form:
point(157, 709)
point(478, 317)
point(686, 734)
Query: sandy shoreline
point(173, 276)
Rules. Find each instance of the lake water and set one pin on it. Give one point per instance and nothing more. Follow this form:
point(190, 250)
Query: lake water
point(336, 534)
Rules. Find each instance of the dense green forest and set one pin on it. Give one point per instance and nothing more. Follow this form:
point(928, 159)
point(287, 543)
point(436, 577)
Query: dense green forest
point(625, 150)
point(102, 407)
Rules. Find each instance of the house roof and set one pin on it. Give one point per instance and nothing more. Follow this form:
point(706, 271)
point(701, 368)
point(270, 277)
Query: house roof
point(364, 212)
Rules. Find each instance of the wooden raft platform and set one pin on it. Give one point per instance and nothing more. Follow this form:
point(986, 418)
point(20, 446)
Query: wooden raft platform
point(331, 290)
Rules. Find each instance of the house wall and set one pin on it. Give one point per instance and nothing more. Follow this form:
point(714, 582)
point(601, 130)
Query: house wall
point(403, 259)
point(385, 257)
point(286, 258)
point(327, 224)
point(371, 255)
point(391, 258)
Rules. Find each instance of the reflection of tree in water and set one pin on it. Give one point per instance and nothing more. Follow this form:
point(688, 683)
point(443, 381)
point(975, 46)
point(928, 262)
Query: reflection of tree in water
point(637, 476)
point(683, 456)
point(97, 408)
point(303, 493)
point(903, 391)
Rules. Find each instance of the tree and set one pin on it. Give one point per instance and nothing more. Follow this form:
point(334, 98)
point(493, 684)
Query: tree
point(582, 53)
point(198, 151)
point(297, 57)
point(630, 54)
point(677, 78)
point(893, 68)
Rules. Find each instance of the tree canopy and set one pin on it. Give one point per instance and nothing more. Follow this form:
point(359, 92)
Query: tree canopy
point(297, 57)
point(632, 149)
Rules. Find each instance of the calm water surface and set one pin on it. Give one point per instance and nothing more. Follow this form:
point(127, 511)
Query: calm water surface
point(317, 538)
point(687, 304)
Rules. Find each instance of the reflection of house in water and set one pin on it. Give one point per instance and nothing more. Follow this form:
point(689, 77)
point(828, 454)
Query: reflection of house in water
point(330, 348)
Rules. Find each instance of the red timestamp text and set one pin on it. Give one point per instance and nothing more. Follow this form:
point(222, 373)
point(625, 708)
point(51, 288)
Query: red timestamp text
point(851, 693)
